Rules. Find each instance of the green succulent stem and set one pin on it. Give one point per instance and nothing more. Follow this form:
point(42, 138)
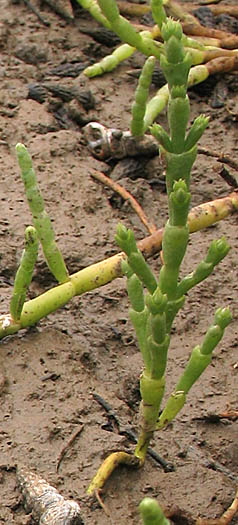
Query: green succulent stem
point(152, 392)
point(174, 246)
point(177, 163)
point(109, 62)
point(179, 151)
point(200, 358)
point(94, 9)
point(159, 101)
point(124, 29)
point(139, 321)
point(24, 273)
point(152, 513)
point(105, 271)
point(126, 240)
point(158, 12)
point(108, 466)
point(41, 219)
point(217, 251)
point(141, 96)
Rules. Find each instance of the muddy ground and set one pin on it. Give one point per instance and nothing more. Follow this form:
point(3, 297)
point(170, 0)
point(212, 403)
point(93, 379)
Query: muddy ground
point(51, 372)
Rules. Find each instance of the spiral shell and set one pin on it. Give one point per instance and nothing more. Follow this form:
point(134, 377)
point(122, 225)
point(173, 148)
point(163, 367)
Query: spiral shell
point(45, 503)
point(106, 143)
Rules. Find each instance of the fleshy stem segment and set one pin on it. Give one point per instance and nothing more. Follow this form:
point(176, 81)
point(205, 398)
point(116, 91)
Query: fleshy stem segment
point(24, 273)
point(141, 96)
point(41, 219)
point(126, 32)
point(105, 271)
point(94, 9)
point(200, 358)
point(151, 513)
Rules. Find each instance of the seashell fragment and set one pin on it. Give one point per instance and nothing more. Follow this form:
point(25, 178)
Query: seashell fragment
point(105, 143)
point(44, 501)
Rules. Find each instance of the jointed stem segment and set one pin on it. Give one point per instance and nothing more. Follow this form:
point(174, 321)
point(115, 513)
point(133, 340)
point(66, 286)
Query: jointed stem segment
point(24, 273)
point(105, 271)
point(108, 466)
point(41, 220)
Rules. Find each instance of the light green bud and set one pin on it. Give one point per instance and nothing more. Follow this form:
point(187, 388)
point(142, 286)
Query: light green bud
point(162, 136)
point(171, 28)
point(151, 513)
point(196, 131)
point(125, 238)
point(157, 302)
point(217, 251)
point(135, 293)
point(174, 50)
point(223, 317)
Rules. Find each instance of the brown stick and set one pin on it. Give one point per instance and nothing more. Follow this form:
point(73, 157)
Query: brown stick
point(127, 197)
point(231, 10)
point(67, 445)
point(102, 504)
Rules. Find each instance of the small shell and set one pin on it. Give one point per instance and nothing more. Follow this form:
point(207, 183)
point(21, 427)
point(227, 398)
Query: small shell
point(113, 143)
point(45, 503)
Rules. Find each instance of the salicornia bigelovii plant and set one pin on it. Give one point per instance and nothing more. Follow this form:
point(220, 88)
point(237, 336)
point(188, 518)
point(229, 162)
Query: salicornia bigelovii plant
point(26, 313)
point(155, 301)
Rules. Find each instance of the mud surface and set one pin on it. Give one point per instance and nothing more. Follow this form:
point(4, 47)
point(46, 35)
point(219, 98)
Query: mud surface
point(50, 373)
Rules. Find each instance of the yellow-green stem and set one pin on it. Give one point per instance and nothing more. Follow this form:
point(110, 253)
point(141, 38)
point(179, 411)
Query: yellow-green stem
point(142, 445)
point(105, 271)
point(108, 466)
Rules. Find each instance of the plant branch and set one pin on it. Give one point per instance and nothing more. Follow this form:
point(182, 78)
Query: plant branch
point(109, 269)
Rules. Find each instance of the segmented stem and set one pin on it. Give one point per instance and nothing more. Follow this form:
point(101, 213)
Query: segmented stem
point(41, 219)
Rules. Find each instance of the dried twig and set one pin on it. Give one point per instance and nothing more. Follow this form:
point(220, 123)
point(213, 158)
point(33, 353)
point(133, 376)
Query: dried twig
point(228, 177)
point(127, 8)
point(192, 27)
point(67, 445)
point(126, 196)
